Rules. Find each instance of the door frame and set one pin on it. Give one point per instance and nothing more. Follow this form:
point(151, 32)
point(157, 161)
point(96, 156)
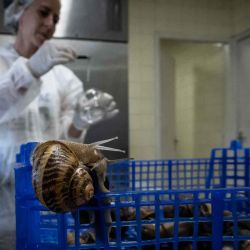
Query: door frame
point(232, 114)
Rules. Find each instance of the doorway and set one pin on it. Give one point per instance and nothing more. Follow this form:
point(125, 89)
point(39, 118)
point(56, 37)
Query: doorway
point(238, 92)
point(192, 97)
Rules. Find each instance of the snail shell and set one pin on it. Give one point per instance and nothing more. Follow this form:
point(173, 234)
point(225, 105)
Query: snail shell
point(60, 174)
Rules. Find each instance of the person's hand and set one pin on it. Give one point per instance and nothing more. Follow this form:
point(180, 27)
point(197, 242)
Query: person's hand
point(94, 107)
point(49, 55)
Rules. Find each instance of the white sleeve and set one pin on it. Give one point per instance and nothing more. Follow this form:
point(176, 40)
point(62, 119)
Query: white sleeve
point(18, 88)
point(71, 88)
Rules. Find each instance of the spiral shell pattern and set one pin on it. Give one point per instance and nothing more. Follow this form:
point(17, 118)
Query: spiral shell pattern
point(60, 180)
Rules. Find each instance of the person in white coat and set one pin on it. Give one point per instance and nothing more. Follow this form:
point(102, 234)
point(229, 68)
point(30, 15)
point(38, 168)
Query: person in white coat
point(40, 98)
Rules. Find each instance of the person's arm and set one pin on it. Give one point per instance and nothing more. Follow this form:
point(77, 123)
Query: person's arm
point(80, 109)
point(18, 87)
point(20, 84)
point(73, 132)
point(70, 89)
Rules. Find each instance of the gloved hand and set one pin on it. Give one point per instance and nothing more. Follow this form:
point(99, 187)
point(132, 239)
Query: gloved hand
point(94, 107)
point(49, 55)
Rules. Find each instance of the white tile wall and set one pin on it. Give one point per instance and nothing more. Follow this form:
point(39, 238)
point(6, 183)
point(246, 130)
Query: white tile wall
point(212, 20)
point(241, 14)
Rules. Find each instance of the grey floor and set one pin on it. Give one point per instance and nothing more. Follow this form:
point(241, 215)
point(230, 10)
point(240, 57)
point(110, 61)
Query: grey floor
point(7, 218)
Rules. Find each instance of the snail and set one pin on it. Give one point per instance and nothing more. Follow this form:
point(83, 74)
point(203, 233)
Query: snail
point(61, 173)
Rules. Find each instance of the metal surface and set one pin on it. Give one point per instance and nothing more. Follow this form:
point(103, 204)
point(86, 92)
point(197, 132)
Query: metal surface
point(101, 65)
point(104, 66)
point(104, 20)
point(93, 19)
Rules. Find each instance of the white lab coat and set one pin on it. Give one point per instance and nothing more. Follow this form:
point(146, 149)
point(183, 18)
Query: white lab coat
point(43, 112)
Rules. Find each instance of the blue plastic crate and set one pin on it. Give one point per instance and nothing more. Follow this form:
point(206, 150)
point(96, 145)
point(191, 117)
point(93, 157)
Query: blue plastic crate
point(164, 187)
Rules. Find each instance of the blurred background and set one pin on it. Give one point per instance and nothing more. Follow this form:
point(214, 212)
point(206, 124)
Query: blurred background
point(179, 70)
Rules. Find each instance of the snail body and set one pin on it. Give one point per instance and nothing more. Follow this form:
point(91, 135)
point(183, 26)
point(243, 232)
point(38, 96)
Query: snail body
point(61, 173)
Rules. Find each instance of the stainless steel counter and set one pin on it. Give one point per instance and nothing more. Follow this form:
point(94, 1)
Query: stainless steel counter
point(7, 218)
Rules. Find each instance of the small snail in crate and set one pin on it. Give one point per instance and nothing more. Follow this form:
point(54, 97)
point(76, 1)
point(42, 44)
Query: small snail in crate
point(61, 173)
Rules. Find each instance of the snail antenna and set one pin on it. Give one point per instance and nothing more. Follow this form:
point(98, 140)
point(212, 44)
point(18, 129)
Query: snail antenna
point(104, 141)
point(98, 145)
point(110, 149)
